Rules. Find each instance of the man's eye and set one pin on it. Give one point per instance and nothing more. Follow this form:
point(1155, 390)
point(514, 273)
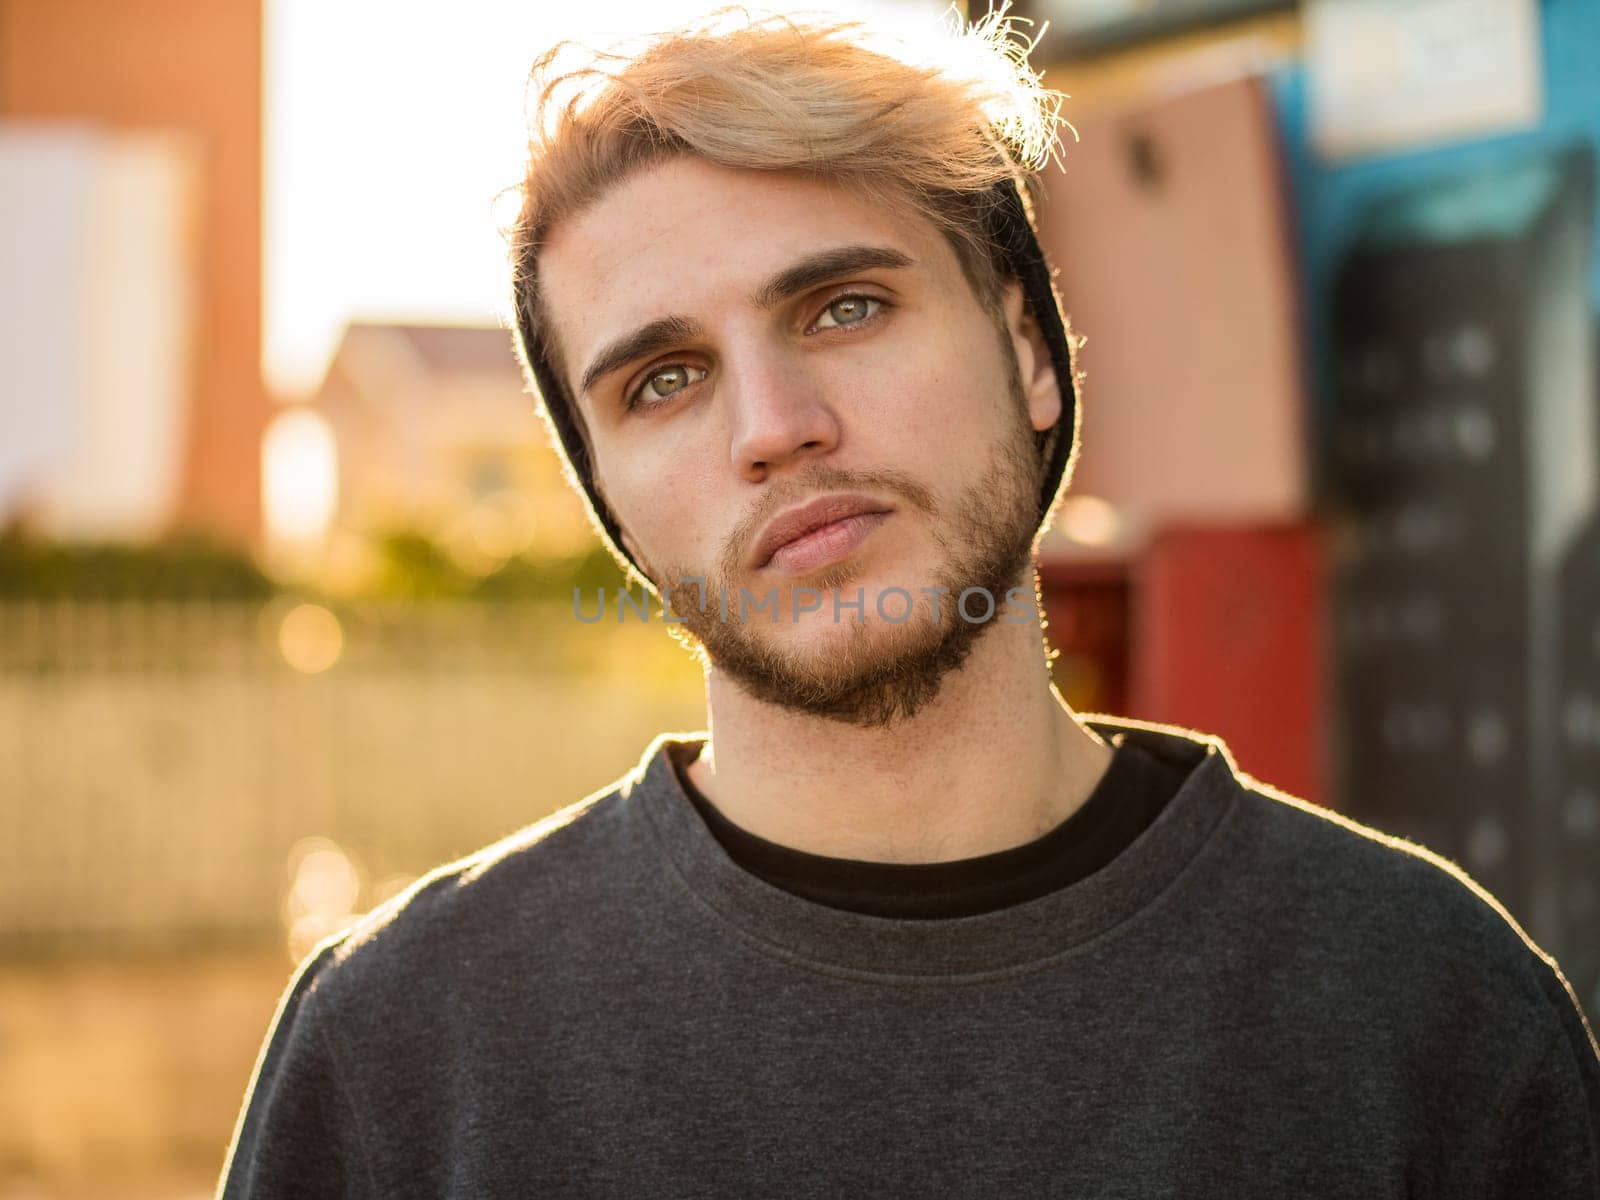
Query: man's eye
point(848, 310)
point(658, 385)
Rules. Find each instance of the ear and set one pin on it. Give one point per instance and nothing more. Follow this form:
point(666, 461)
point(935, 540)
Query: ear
point(1034, 365)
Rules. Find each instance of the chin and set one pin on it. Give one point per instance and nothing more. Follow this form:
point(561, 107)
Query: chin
point(867, 674)
point(831, 641)
point(865, 669)
point(889, 597)
point(820, 633)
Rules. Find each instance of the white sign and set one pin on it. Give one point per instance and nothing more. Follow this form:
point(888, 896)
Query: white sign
point(1389, 75)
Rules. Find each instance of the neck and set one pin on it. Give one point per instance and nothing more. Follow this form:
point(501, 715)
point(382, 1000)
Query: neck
point(996, 760)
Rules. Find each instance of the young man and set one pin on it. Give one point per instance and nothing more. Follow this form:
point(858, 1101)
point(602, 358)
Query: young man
point(901, 923)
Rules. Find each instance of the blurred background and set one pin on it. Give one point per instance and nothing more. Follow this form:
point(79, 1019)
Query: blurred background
point(286, 564)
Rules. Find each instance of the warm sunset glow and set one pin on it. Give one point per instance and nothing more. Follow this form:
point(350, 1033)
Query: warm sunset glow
point(1089, 520)
point(391, 130)
point(299, 478)
point(310, 639)
point(324, 885)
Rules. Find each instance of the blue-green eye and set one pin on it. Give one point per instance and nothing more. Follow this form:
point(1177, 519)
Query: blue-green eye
point(666, 382)
point(848, 310)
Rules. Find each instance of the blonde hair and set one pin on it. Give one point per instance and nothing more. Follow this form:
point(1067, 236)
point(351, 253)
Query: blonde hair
point(936, 127)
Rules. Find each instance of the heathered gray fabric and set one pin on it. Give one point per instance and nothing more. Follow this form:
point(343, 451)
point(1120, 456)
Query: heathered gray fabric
point(1256, 998)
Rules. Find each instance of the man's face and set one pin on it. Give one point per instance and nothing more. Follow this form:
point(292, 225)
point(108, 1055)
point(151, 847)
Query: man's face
point(745, 343)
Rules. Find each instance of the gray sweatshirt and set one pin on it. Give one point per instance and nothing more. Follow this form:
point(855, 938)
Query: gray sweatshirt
point(1257, 997)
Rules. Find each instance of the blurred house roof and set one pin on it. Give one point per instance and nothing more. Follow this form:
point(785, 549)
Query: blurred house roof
point(433, 421)
point(448, 348)
point(446, 382)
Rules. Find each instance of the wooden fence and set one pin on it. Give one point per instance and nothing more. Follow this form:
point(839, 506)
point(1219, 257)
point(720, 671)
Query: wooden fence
point(162, 766)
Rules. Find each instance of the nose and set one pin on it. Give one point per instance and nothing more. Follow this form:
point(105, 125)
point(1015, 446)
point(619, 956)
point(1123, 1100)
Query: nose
point(780, 415)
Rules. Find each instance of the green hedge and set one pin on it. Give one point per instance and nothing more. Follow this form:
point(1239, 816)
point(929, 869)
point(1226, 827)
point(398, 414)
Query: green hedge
point(186, 568)
point(193, 568)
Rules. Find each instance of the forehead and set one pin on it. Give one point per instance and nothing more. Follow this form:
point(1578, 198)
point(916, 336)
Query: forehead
point(688, 237)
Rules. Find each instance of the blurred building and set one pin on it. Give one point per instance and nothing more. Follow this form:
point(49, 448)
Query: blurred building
point(98, 301)
point(1337, 276)
point(429, 431)
point(145, 346)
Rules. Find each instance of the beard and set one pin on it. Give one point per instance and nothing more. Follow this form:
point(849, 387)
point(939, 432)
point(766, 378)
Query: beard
point(880, 672)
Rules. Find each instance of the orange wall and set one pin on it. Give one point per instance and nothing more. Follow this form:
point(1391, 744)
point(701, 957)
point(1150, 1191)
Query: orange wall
point(196, 66)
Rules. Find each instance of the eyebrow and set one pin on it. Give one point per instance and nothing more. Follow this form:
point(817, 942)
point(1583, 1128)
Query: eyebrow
point(808, 272)
point(646, 340)
point(821, 267)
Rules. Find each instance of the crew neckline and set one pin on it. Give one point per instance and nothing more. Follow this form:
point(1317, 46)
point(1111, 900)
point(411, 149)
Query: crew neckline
point(838, 940)
point(1123, 801)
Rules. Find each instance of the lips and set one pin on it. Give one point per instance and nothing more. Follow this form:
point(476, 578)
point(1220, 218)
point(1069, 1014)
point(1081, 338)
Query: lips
point(797, 522)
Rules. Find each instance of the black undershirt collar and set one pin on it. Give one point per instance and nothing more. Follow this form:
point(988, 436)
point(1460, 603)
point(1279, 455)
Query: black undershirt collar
point(1129, 796)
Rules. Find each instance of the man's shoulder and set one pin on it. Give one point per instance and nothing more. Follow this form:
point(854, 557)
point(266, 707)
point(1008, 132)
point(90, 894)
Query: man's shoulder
point(1379, 901)
point(1360, 867)
point(1300, 864)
